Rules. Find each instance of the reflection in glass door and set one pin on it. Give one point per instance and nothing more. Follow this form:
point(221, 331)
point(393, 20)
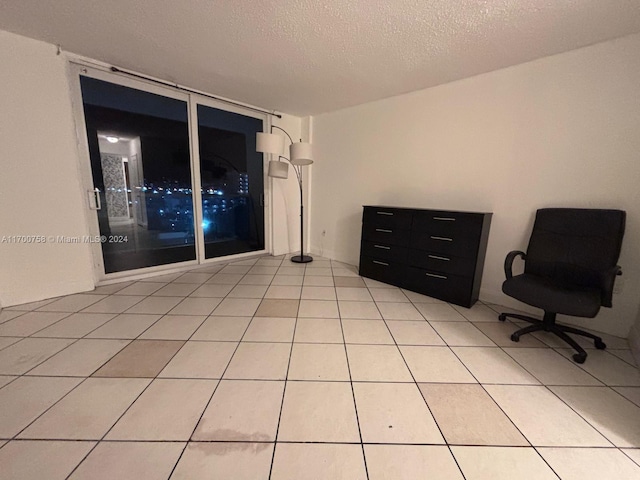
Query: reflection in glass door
point(141, 168)
point(231, 173)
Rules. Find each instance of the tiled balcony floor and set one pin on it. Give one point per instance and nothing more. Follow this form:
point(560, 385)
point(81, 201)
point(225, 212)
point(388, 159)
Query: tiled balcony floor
point(267, 369)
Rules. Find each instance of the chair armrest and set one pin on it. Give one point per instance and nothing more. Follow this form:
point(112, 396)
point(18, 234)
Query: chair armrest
point(508, 262)
point(608, 281)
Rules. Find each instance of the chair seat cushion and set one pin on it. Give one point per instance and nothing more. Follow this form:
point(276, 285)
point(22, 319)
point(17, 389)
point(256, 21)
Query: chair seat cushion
point(543, 293)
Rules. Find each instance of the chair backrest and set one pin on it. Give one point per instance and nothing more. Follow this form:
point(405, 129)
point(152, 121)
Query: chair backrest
point(575, 246)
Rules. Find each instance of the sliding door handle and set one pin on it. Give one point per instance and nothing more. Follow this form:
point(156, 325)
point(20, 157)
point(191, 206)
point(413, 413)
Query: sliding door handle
point(94, 199)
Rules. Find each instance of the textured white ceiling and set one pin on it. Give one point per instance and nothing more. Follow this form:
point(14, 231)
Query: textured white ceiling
point(311, 56)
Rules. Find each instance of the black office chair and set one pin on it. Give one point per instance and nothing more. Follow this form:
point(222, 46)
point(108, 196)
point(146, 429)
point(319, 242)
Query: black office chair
point(570, 268)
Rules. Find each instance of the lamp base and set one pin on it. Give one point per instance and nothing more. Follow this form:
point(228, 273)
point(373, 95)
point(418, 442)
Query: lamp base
point(302, 259)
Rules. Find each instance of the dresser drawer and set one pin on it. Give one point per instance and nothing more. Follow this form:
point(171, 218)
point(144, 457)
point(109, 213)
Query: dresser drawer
point(455, 245)
point(385, 235)
point(381, 270)
point(441, 263)
point(450, 288)
point(384, 251)
point(387, 217)
point(434, 252)
point(448, 224)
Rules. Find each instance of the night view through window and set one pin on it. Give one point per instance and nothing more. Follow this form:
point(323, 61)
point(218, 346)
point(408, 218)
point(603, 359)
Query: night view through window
point(140, 159)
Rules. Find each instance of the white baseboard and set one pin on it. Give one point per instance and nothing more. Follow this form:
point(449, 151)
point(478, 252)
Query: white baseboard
point(634, 342)
point(324, 253)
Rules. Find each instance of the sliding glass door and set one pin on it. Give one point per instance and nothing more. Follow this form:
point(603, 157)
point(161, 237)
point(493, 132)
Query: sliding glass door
point(231, 176)
point(143, 182)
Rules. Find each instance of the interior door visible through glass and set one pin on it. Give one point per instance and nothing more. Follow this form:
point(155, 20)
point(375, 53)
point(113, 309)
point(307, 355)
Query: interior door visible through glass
point(232, 182)
point(141, 168)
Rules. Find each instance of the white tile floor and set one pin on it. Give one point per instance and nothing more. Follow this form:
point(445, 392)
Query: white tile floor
point(267, 369)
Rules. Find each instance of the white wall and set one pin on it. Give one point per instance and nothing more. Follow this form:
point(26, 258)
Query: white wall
point(559, 131)
point(40, 191)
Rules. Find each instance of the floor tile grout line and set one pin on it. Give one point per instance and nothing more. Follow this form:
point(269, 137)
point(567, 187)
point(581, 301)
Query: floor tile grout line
point(84, 338)
point(494, 400)
point(482, 386)
point(616, 391)
point(108, 430)
point(114, 315)
point(22, 312)
point(14, 437)
point(87, 337)
point(608, 350)
point(172, 339)
point(535, 449)
point(330, 381)
point(68, 314)
point(353, 392)
point(581, 416)
point(112, 295)
point(560, 356)
point(298, 442)
point(286, 378)
point(25, 373)
point(151, 380)
point(546, 386)
point(190, 439)
point(624, 452)
point(129, 407)
point(42, 309)
point(581, 365)
point(542, 384)
point(11, 344)
point(444, 439)
point(77, 340)
point(546, 346)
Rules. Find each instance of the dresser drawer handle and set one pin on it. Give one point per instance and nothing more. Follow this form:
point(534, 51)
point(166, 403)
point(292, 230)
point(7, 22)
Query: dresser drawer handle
point(382, 246)
point(384, 213)
point(439, 258)
point(383, 230)
point(435, 276)
point(381, 263)
point(445, 219)
point(445, 239)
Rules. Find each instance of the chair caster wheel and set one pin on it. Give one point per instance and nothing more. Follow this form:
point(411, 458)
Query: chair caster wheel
point(579, 357)
point(600, 345)
point(515, 337)
point(502, 317)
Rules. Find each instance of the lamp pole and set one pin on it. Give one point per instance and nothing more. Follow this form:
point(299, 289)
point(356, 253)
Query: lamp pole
point(302, 258)
point(301, 154)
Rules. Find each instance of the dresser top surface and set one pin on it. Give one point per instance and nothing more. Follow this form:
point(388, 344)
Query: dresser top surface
point(426, 209)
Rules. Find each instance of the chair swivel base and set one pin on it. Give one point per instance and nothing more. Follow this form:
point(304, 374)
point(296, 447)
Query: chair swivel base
point(302, 259)
point(548, 324)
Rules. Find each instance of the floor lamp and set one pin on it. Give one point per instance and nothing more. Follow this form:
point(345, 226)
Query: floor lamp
point(300, 155)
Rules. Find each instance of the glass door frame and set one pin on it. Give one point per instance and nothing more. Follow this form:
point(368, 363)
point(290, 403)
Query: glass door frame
point(197, 183)
point(75, 70)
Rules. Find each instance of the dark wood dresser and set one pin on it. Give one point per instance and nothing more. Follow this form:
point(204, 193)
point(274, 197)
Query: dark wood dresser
point(434, 252)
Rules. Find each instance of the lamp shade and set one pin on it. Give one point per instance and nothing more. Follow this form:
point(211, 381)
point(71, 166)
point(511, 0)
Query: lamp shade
point(278, 169)
point(301, 153)
point(269, 143)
